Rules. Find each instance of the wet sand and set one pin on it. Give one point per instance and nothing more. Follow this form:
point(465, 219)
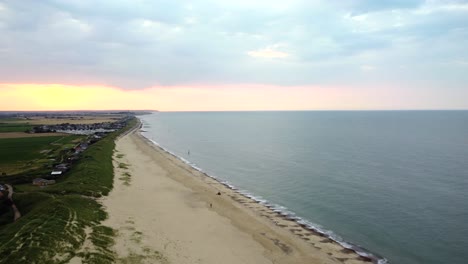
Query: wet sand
point(165, 211)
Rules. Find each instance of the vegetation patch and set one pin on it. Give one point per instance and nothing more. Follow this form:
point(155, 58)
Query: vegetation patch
point(123, 165)
point(50, 226)
point(148, 256)
point(24, 149)
point(136, 237)
point(14, 127)
point(126, 178)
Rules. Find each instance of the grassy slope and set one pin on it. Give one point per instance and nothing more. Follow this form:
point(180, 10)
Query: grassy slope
point(52, 229)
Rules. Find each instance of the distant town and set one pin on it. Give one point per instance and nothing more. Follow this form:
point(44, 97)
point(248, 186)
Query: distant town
point(80, 129)
point(69, 114)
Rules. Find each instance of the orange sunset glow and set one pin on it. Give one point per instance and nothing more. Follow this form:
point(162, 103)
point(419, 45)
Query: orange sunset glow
point(178, 98)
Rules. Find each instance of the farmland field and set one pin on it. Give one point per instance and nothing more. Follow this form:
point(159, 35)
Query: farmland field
point(21, 154)
point(90, 119)
point(14, 127)
point(22, 149)
point(24, 135)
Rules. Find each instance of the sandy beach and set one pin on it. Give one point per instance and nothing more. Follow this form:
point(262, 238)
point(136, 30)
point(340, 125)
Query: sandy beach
point(165, 211)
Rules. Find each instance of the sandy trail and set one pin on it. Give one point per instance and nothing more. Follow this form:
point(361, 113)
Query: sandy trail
point(161, 209)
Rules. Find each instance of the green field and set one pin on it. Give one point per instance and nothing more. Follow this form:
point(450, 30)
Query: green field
point(22, 154)
point(24, 149)
point(58, 219)
point(6, 125)
point(14, 127)
point(10, 119)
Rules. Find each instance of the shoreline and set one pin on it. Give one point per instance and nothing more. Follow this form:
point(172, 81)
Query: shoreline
point(284, 237)
point(364, 254)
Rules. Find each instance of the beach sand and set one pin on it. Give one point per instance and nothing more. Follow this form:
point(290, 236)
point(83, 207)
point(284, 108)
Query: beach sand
point(165, 211)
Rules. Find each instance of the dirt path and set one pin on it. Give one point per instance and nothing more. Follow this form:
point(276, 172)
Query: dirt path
point(17, 213)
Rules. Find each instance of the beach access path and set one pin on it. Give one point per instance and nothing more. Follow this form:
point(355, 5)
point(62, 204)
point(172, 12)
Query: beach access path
point(164, 211)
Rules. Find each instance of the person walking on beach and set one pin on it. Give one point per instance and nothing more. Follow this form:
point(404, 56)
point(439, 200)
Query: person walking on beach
point(6, 193)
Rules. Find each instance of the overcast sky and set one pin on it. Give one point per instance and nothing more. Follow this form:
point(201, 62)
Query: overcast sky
point(402, 49)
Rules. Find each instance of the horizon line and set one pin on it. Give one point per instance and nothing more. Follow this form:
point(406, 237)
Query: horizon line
point(268, 110)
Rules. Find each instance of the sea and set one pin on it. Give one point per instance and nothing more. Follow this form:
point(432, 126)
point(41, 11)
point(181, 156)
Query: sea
point(393, 184)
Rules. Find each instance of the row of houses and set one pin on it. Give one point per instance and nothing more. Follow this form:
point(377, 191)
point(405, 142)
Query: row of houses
point(74, 154)
point(71, 157)
point(84, 129)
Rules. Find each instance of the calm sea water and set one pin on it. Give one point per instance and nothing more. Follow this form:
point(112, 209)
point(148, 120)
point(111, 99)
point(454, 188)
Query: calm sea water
point(395, 183)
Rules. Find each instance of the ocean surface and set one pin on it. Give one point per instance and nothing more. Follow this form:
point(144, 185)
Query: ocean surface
point(392, 182)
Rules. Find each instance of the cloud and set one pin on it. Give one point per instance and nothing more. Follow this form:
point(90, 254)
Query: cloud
point(367, 68)
point(365, 6)
point(140, 44)
point(270, 52)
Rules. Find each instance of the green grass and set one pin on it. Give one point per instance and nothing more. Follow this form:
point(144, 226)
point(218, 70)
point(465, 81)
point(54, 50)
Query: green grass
point(50, 226)
point(52, 229)
point(23, 149)
point(14, 127)
point(10, 119)
point(19, 155)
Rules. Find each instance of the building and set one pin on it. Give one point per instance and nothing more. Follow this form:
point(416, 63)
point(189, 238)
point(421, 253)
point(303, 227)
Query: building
point(42, 182)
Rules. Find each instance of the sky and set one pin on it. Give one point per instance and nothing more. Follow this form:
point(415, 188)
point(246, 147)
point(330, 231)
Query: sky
point(233, 55)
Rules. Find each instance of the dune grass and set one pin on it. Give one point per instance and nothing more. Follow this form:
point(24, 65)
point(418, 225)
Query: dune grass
point(126, 178)
point(123, 165)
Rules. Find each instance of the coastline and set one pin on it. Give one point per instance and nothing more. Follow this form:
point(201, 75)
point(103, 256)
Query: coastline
point(256, 232)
